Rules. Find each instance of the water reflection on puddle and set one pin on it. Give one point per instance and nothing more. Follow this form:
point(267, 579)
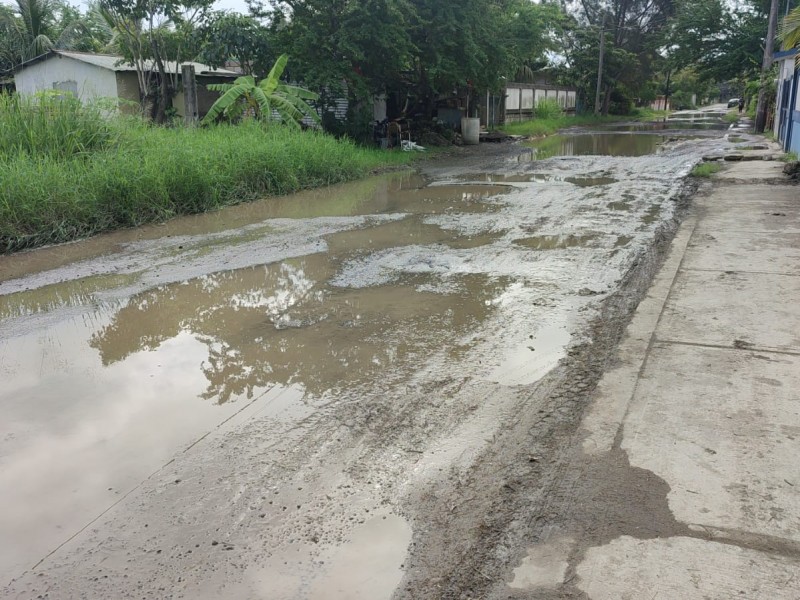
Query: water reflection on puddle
point(605, 144)
point(282, 324)
point(77, 436)
point(367, 567)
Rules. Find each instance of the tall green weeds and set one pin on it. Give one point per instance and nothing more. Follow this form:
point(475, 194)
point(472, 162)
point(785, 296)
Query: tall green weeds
point(63, 182)
point(47, 125)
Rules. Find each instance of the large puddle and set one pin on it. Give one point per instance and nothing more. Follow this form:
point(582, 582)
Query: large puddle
point(596, 144)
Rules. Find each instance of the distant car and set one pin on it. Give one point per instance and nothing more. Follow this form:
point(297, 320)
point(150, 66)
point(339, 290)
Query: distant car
point(733, 103)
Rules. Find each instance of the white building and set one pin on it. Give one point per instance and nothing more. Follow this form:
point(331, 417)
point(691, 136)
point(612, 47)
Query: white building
point(92, 76)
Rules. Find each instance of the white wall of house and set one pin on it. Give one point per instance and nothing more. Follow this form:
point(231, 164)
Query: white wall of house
point(61, 72)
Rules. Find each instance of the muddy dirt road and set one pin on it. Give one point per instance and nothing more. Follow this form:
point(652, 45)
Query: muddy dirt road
point(355, 392)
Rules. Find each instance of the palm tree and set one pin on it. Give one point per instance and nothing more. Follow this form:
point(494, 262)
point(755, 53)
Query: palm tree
point(789, 32)
point(264, 97)
point(32, 28)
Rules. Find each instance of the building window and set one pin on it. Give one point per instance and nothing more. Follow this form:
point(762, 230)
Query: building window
point(67, 86)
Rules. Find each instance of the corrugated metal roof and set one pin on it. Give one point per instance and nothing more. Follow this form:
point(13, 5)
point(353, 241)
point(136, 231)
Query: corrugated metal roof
point(117, 63)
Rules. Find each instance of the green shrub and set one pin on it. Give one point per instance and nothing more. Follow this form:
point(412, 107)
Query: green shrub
point(548, 109)
point(706, 169)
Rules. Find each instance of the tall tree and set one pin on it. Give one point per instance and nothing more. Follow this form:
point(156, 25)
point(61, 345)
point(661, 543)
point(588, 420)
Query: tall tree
point(631, 30)
point(32, 27)
point(156, 37)
point(234, 37)
point(338, 47)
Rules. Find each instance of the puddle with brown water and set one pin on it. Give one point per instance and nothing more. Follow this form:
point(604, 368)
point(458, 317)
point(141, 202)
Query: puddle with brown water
point(282, 324)
point(621, 206)
point(594, 144)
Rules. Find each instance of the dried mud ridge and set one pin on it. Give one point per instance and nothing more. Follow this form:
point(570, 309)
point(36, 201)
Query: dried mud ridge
point(534, 478)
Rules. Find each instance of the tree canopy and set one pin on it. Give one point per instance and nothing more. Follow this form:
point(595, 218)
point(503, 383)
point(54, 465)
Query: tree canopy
point(414, 51)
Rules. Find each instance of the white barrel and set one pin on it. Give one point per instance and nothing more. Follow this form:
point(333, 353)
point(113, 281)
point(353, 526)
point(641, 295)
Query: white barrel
point(470, 130)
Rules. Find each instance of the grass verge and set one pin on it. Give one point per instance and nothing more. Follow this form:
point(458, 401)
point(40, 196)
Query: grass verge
point(133, 174)
point(731, 116)
point(706, 169)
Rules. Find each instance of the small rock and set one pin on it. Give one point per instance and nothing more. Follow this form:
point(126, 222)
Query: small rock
point(587, 292)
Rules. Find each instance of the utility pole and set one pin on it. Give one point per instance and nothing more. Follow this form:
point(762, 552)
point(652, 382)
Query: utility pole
point(769, 45)
point(600, 67)
point(189, 94)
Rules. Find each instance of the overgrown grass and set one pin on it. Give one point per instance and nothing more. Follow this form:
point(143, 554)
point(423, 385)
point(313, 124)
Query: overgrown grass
point(706, 169)
point(125, 173)
point(47, 125)
point(731, 116)
point(545, 126)
point(790, 156)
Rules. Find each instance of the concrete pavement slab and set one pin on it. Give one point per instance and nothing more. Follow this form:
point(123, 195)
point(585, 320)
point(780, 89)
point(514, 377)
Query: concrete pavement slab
point(722, 428)
point(769, 216)
point(683, 568)
point(715, 250)
point(760, 169)
point(749, 310)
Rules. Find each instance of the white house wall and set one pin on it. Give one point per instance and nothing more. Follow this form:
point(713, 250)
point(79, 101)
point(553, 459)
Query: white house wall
point(61, 72)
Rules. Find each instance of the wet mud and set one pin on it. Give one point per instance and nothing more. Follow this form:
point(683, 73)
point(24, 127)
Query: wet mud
point(249, 403)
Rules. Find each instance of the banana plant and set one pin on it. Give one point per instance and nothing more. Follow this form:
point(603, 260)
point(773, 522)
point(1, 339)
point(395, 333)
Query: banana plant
point(262, 98)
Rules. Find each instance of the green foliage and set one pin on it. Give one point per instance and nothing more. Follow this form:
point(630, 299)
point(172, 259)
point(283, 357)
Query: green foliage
point(731, 116)
point(789, 32)
point(620, 103)
point(722, 40)
point(355, 48)
point(153, 173)
point(32, 27)
point(413, 50)
point(230, 36)
point(50, 126)
point(269, 94)
point(631, 30)
point(548, 109)
point(156, 36)
point(681, 100)
point(791, 156)
point(540, 126)
point(706, 169)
